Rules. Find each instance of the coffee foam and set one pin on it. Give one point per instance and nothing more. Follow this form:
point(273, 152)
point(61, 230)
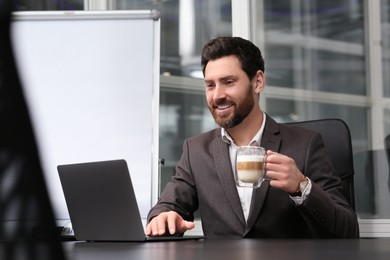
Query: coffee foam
point(250, 158)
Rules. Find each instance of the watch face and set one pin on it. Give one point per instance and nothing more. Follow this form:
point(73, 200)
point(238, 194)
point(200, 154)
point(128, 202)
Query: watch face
point(303, 184)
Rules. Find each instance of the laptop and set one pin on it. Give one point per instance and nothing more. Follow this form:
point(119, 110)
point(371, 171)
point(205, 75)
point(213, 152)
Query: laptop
point(102, 204)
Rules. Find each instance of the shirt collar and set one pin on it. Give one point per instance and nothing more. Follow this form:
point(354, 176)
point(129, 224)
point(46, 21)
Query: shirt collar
point(257, 138)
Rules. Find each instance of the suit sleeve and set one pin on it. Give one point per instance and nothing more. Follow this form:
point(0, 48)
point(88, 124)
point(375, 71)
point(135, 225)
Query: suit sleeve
point(180, 194)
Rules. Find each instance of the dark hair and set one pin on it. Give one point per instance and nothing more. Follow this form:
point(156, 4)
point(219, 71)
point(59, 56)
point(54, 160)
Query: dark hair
point(248, 54)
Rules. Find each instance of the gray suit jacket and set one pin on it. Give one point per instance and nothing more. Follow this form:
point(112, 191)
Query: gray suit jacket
point(204, 181)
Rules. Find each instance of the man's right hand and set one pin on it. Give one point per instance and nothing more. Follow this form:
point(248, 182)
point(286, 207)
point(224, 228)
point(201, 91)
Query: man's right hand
point(168, 223)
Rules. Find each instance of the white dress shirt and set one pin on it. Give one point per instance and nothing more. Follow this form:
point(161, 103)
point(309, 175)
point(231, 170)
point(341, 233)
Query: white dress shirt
point(245, 194)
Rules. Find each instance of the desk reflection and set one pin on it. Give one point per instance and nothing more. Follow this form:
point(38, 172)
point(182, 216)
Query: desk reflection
point(232, 249)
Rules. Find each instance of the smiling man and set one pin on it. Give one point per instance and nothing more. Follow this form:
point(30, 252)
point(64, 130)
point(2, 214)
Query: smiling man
point(302, 195)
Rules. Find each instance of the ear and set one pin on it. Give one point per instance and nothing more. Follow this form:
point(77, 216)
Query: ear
point(259, 81)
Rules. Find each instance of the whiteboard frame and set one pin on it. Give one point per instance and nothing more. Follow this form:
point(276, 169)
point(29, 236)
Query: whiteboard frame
point(112, 15)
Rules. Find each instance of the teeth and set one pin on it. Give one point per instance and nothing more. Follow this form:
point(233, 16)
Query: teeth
point(223, 107)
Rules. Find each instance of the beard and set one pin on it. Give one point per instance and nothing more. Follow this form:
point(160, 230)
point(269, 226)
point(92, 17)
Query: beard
point(240, 112)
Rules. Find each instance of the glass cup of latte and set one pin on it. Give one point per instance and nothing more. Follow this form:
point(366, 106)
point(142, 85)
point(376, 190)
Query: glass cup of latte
point(250, 166)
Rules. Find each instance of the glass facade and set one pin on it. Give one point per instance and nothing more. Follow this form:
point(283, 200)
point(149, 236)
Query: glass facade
point(319, 48)
point(185, 27)
point(314, 45)
point(318, 65)
point(385, 35)
point(44, 5)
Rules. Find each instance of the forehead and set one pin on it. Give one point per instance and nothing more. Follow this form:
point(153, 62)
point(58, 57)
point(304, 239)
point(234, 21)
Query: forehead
point(223, 67)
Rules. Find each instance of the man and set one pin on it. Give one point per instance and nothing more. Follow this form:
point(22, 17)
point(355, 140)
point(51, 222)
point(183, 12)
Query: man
point(302, 196)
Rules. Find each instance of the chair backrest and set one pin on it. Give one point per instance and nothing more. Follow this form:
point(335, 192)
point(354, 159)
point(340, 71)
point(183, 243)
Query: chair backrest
point(338, 144)
point(27, 227)
point(387, 147)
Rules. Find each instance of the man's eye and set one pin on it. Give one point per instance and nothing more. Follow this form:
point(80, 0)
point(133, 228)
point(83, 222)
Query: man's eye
point(229, 82)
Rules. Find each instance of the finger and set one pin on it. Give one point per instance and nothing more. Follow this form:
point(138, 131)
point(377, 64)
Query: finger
point(273, 175)
point(189, 225)
point(269, 152)
point(183, 226)
point(161, 224)
point(151, 228)
point(171, 220)
point(272, 157)
point(148, 230)
point(154, 226)
point(277, 184)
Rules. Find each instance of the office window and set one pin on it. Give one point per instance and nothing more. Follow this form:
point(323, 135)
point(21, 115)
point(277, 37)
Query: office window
point(332, 20)
point(317, 66)
point(322, 70)
point(387, 125)
point(379, 159)
point(385, 31)
point(285, 110)
point(315, 45)
point(185, 27)
point(182, 114)
point(44, 5)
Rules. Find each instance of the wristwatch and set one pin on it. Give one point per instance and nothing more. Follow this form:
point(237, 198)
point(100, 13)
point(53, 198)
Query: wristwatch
point(301, 188)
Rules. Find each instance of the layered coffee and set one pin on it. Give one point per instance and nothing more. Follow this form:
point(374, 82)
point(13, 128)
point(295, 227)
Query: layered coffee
point(250, 168)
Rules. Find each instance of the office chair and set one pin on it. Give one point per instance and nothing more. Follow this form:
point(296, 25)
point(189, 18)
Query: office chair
point(27, 228)
point(337, 140)
point(387, 148)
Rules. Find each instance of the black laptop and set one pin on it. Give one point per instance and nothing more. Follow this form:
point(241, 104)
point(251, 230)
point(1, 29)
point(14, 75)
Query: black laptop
point(102, 204)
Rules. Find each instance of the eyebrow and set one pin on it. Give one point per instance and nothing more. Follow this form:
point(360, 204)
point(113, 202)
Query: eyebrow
point(222, 79)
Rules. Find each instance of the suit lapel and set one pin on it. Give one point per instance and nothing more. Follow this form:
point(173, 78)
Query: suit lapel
point(270, 141)
point(271, 137)
point(258, 197)
point(225, 174)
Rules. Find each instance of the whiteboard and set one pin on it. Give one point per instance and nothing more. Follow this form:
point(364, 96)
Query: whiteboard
point(91, 80)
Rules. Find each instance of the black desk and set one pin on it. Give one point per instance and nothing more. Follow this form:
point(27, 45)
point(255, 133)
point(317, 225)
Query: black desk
point(242, 249)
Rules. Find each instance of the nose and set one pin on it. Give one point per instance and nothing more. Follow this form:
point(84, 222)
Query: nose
point(219, 92)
